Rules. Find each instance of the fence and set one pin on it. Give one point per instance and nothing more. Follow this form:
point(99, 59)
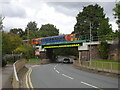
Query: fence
point(101, 66)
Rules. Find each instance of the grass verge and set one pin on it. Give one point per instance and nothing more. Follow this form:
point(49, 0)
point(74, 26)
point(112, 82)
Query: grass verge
point(105, 64)
point(33, 61)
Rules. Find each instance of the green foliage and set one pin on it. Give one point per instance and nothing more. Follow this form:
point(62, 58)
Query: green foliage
point(1, 29)
point(99, 24)
point(10, 42)
point(117, 14)
point(104, 27)
point(1, 23)
point(31, 30)
point(100, 60)
point(18, 31)
point(34, 61)
point(48, 30)
point(103, 50)
point(26, 50)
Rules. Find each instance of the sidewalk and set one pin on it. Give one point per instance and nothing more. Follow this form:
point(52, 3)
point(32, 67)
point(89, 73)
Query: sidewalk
point(7, 73)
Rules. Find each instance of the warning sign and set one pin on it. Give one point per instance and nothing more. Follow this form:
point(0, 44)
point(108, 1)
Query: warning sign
point(37, 52)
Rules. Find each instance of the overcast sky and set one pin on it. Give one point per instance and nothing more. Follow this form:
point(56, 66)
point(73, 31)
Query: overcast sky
point(62, 14)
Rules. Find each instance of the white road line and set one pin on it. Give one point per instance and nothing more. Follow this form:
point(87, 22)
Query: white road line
point(67, 76)
point(54, 68)
point(88, 84)
point(57, 71)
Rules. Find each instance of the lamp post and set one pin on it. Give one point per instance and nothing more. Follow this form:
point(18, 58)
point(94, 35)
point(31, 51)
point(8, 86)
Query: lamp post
point(90, 43)
point(28, 34)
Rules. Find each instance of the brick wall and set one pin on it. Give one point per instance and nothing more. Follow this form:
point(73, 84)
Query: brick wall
point(114, 52)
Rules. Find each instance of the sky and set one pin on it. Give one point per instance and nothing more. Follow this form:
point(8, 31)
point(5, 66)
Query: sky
point(62, 13)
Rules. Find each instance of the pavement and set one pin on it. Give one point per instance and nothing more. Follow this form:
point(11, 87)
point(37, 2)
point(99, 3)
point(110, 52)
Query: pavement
point(7, 73)
point(65, 76)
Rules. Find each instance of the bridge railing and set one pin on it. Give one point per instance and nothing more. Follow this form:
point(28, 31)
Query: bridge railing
point(97, 38)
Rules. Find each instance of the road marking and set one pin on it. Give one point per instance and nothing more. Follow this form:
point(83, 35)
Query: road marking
point(88, 84)
point(54, 68)
point(27, 80)
point(57, 71)
point(31, 86)
point(67, 76)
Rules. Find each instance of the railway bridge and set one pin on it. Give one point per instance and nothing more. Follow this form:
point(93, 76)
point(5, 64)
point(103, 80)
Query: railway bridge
point(45, 46)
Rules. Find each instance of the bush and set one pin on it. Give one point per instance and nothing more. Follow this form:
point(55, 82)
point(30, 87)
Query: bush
point(103, 50)
point(4, 61)
point(26, 50)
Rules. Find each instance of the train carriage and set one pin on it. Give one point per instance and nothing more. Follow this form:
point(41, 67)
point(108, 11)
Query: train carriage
point(62, 38)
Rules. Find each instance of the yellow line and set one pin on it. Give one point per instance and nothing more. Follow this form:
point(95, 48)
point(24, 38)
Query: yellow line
point(27, 79)
point(30, 79)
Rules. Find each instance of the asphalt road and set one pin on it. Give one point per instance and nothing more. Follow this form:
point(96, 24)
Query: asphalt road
point(66, 76)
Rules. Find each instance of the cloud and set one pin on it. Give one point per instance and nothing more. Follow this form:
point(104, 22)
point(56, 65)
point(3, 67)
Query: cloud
point(62, 14)
point(43, 15)
point(72, 8)
point(15, 22)
point(48, 14)
point(10, 9)
point(68, 8)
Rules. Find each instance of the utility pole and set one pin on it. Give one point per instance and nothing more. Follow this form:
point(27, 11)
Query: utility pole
point(28, 34)
point(90, 43)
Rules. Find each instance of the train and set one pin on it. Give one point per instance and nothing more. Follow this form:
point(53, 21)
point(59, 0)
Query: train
point(54, 39)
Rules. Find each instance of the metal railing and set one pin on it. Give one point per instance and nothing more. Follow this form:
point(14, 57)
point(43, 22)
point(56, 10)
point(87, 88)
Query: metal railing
point(102, 66)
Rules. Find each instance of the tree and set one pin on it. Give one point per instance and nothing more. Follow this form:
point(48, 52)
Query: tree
point(93, 16)
point(1, 23)
point(103, 50)
point(117, 16)
point(18, 31)
point(2, 61)
point(31, 30)
point(10, 42)
point(26, 50)
point(48, 30)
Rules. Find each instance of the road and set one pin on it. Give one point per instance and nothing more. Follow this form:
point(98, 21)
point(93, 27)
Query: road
point(66, 76)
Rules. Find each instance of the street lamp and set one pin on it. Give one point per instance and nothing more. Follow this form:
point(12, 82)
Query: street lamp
point(90, 43)
point(28, 34)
